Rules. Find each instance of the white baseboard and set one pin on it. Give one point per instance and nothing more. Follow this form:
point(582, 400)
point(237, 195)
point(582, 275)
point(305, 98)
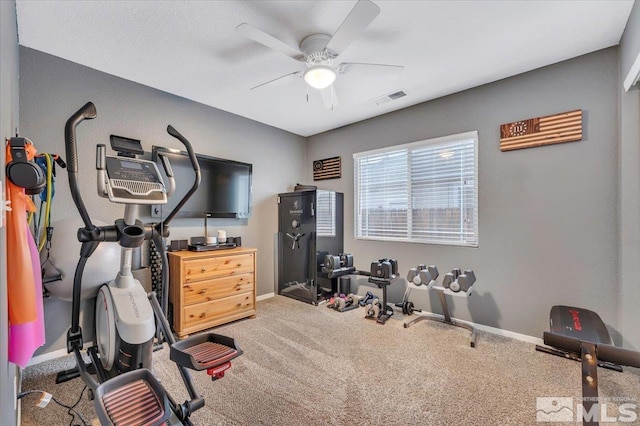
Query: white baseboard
point(265, 296)
point(52, 355)
point(498, 331)
point(510, 334)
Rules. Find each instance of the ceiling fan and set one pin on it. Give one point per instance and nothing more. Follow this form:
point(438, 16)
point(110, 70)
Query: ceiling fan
point(319, 52)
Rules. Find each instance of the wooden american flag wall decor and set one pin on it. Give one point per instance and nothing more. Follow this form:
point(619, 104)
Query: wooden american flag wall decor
point(329, 168)
point(548, 130)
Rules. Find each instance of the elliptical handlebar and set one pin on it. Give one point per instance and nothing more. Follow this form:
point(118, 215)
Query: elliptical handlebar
point(87, 112)
point(196, 168)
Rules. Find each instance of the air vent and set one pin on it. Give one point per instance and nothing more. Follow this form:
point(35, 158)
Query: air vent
point(396, 95)
point(390, 97)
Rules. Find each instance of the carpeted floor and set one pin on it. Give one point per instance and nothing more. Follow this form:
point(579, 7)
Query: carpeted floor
point(306, 365)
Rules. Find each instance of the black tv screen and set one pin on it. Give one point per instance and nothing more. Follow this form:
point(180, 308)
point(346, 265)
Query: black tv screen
point(224, 191)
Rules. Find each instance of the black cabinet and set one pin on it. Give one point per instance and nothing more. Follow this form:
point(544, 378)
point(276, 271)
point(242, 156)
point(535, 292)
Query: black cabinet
point(310, 226)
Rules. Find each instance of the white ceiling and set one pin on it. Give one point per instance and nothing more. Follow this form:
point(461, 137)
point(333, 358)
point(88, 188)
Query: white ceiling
point(191, 48)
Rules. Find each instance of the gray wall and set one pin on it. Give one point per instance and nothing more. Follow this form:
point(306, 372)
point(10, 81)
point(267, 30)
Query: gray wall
point(8, 125)
point(630, 186)
point(547, 216)
point(51, 89)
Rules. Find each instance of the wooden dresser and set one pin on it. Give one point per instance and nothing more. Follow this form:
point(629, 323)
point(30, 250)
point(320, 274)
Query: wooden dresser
point(211, 288)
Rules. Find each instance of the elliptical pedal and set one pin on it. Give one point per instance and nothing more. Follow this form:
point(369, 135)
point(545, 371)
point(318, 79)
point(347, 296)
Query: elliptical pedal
point(132, 398)
point(211, 352)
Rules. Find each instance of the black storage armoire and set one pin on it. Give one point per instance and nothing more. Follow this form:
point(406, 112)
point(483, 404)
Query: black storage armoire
point(310, 226)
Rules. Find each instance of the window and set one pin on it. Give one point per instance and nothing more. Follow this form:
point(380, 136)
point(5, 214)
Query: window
point(326, 213)
point(422, 192)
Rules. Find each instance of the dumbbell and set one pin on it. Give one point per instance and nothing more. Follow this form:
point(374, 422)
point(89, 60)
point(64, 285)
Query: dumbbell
point(367, 299)
point(347, 260)
point(466, 280)
point(449, 279)
point(456, 281)
point(373, 311)
point(333, 302)
point(413, 276)
point(350, 300)
point(408, 308)
point(422, 274)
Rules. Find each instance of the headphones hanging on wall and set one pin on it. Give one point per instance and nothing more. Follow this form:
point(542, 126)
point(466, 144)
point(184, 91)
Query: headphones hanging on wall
point(22, 172)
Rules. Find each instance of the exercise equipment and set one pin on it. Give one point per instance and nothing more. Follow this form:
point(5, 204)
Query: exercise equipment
point(366, 300)
point(455, 283)
point(126, 317)
point(374, 309)
point(338, 265)
point(344, 303)
point(581, 335)
point(98, 269)
point(383, 273)
point(416, 277)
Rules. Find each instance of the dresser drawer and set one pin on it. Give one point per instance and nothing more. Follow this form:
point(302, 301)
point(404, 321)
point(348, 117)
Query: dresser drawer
point(202, 269)
point(207, 290)
point(211, 311)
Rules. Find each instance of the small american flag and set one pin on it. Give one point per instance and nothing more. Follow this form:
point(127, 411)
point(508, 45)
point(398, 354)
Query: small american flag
point(329, 168)
point(552, 129)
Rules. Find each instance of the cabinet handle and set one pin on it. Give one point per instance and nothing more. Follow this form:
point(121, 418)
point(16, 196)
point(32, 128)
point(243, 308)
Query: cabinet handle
point(203, 270)
point(203, 291)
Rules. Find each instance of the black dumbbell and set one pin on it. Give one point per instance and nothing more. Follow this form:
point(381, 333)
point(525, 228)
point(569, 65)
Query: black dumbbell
point(367, 299)
point(408, 308)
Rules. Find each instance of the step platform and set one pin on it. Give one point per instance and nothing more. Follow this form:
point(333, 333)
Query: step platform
point(132, 398)
point(210, 351)
point(137, 397)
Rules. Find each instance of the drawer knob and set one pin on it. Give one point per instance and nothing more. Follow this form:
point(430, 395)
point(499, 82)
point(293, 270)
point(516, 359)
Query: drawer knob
point(203, 270)
point(203, 291)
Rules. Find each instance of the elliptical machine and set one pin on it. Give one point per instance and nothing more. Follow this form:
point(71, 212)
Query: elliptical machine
point(125, 390)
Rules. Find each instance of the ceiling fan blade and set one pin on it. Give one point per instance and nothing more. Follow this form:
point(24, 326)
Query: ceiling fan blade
point(268, 40)
point(329, 98)
point(362, 14)
point(279, 80)
point(371, 70)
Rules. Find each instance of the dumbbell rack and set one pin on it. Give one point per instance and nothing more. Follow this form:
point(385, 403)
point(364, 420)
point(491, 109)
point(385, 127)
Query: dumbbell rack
point(383, 283)
point(442, 292)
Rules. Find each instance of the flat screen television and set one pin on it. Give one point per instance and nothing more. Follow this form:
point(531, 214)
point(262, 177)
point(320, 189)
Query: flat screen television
point(224, 191)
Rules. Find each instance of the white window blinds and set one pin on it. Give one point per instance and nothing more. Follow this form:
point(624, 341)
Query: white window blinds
point(422, 192)
point(326, 213)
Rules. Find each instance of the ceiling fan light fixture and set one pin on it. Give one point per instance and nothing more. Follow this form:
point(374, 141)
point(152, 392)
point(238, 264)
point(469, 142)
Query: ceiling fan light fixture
point(319, 76)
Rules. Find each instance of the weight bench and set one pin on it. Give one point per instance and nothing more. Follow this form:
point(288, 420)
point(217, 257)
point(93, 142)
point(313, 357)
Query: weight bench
point(581, 335)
